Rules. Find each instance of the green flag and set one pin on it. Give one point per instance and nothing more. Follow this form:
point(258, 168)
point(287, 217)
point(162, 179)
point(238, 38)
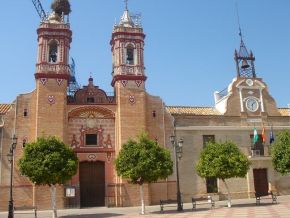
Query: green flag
point(256, 136)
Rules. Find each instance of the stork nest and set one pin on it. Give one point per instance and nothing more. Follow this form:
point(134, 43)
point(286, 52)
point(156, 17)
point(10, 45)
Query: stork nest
point(61, 7)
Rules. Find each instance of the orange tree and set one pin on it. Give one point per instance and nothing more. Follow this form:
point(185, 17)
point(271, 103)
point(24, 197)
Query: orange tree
point(280, 153)
point(48, 161)
point(222, 161)
point(143, 161)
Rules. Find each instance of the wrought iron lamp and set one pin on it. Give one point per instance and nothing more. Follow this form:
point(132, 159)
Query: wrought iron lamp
point(10, 157)
point(177, 146)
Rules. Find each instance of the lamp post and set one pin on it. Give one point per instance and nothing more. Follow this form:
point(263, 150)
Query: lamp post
point(178, 154)
point(10, 157)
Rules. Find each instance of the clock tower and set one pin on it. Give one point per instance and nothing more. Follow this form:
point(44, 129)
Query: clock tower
point(247, 95)
point(249, 87)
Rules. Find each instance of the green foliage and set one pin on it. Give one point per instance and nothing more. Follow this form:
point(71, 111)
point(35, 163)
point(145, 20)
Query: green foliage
point(280, 152)
point(143, 161)
point(223, 161)
point(48, 161)
point(61, 6)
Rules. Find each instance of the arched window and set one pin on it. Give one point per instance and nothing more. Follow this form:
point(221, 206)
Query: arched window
point(24, 142)
point(52, 52)
point(130, 55)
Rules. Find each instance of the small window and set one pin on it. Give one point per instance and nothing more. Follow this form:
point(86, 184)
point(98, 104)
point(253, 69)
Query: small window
point(24, 143)
point(208, 138)
point(90, 100)
point(211, 185)
point(53, 52)
point(25, 112)
point(91, 139)
point(153, 114)
point(130, 55)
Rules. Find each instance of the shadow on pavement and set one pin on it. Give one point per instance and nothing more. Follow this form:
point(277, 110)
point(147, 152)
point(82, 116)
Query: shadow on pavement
point(252, 205)
point(102, 215)
point(170, 211)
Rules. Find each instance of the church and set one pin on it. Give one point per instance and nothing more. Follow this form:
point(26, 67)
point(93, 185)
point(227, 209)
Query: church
point(96, 124)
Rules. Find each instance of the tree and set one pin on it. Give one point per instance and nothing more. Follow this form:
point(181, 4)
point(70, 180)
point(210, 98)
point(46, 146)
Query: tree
point(280, 153)
point(61, 6)
point(222, 161)
point(48, 161)
point(143, 161)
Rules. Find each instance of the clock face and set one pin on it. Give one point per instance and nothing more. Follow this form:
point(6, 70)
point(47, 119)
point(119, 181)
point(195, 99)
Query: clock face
point(252, 104)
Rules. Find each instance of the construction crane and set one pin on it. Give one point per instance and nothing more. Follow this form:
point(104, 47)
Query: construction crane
point(38, 6)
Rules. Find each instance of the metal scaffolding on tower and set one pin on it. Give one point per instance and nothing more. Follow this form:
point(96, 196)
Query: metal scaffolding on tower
point(73, 84)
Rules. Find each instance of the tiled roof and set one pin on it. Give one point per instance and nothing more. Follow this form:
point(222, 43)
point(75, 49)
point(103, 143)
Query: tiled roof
point(4, 108)
point(204, 111)
point(284, 111)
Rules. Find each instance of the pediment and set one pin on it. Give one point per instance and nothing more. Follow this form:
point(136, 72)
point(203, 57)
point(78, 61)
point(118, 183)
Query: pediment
point(91, 112)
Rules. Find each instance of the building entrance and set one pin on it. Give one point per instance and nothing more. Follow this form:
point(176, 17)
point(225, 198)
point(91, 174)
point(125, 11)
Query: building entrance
point(261, 181)
point(92, 184)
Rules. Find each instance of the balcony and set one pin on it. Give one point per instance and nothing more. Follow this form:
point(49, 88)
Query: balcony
point(260, 152)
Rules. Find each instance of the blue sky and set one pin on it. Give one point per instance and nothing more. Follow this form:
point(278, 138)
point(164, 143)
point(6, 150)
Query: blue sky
point(189, 45)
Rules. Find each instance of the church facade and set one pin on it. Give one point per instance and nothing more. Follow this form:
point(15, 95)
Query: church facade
point(96, 124)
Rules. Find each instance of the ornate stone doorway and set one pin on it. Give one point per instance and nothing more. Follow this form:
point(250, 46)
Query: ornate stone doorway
point(92, 184)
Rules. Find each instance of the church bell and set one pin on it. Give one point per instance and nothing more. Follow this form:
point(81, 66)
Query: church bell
point(245, 64)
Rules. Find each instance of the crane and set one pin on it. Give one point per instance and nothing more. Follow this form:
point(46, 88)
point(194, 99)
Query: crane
point(38, 6)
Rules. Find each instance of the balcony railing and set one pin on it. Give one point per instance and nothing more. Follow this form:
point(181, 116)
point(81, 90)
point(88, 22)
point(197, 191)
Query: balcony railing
point(262, 151)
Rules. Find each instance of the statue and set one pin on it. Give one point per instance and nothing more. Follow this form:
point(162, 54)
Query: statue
point(61, 7)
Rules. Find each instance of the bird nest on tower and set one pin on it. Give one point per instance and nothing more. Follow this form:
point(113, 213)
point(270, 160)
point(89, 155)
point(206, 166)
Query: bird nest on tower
point(61, 7)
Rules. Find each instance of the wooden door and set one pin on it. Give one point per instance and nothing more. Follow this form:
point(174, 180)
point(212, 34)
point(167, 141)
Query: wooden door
point(92, 184)
point(261, 181)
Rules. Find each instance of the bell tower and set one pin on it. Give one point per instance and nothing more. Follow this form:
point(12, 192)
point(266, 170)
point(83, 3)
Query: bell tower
point(52, 75)
point(244, 61)
point(128, 80)
point(127, 45)
point(128, 76)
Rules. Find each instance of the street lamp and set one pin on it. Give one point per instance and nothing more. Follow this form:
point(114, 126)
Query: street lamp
point(10, 157)
point(178, 154)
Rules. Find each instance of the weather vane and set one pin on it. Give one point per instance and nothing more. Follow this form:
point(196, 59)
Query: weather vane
point(126, 4)
point(238, 16)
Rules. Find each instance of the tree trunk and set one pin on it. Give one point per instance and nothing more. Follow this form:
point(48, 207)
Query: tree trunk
point(53, 201)
point(229, 195)
point(142, 200)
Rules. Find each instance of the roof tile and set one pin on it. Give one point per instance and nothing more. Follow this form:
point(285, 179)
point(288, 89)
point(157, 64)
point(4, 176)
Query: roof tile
point(203, 111)
point(284, 111)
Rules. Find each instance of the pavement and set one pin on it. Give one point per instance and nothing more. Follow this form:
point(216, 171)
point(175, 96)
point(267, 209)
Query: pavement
point(240, 208)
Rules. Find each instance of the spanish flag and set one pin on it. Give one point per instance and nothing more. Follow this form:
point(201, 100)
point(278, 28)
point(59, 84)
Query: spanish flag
point(263, 135)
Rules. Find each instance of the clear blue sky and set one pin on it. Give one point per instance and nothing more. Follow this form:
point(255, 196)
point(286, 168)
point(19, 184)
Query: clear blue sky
point(189, 45)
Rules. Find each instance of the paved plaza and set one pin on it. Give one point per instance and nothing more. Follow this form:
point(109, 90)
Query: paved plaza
point(240, 208)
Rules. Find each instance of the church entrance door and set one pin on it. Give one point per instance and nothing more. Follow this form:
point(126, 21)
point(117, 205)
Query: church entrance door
point(261, 181)
point(92, 184)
